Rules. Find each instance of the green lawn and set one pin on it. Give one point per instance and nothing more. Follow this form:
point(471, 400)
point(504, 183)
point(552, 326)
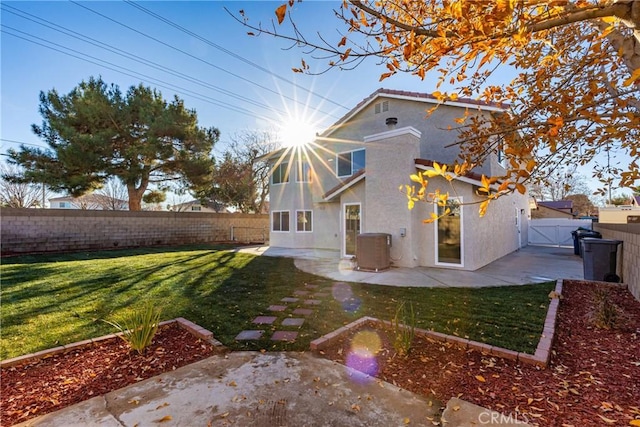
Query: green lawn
point(49, 300)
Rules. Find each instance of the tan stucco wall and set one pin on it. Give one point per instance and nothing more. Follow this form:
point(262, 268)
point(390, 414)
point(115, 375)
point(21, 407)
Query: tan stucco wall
point(616, 215)
point(44, 230)
point(390, 162)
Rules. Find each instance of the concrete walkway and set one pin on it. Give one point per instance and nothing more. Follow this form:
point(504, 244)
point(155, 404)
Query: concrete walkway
point(531, 264)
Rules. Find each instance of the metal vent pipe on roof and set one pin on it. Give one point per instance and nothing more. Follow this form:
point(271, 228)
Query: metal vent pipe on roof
point(391, 122)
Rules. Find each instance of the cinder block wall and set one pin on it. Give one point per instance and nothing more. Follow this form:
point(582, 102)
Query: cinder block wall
point(630, 253)
point(48, 230)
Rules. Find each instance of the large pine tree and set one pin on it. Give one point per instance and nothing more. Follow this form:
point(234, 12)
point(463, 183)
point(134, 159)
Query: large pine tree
point(96, 132)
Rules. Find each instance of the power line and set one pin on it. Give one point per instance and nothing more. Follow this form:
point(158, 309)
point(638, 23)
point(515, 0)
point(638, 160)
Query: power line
point(127, 55)
point(230, 53)
point(128, 72)
point(192, 56)
point(13, 141)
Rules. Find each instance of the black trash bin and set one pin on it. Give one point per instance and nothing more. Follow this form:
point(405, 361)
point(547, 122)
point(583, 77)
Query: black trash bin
point(600, 259)
point(576, 239)
point(581, 234)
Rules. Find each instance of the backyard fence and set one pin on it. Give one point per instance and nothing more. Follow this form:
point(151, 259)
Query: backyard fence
point(50, 230)
point(249, 234)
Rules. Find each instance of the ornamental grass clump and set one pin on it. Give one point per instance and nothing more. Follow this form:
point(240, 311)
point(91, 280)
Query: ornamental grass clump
point(606, 313)
point(138, 327)
point(404, 326)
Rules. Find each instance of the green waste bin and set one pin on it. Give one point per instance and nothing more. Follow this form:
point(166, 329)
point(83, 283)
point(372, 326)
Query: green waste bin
point(600, 258)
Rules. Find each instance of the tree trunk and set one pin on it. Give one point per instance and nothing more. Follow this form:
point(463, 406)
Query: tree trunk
point(135, 197)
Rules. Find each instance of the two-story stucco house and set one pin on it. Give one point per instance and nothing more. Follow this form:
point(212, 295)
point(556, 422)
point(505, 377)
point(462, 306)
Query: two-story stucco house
point(325, 193)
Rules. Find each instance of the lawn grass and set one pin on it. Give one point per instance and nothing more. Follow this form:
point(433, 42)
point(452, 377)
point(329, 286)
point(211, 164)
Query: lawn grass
point(50, 300)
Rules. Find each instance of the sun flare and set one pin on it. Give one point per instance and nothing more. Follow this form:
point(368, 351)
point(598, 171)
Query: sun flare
point(296, 133)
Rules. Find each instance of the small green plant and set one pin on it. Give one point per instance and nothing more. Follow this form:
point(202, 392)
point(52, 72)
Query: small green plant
point(606, 313)
point(138, 327)
point(404, 328)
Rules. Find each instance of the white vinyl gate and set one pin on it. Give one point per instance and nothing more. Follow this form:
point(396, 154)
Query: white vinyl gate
point(554, 231)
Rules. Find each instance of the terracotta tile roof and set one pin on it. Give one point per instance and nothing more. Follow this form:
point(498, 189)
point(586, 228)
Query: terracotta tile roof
point(429, 163)
point(416, 95)
point(344, 184)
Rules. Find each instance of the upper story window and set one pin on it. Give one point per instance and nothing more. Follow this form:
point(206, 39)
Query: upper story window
point(196, 208)
point(381, 107)
point(350, 162)
point(502, 160)
point(280, 174)
point(304, 171)
point(65, 204)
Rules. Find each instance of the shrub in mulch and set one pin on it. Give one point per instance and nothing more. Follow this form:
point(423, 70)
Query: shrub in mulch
point(46, 385)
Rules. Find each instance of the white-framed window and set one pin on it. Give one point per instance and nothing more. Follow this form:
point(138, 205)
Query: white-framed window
point(502, 159)
point(280, 221)
point(350, 162)
point(280, 174)
point(304, 171)
point(304, 221)
point(196, 208)
point(381, 106)
point(449, 234)
point(65, 204)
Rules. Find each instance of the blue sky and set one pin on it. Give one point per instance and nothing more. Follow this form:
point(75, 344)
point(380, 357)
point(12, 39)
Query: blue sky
point(212, 76)
point(225, 91)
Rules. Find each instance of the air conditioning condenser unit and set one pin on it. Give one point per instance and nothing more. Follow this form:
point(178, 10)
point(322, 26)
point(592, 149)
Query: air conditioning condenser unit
point(373, 251)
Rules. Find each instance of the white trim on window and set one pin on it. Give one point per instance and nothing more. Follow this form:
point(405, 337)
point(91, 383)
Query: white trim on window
point(461, 210)
point(279, 170)
point(284, 225)
point(307, 223)
point(350, 152)
point(304, 171)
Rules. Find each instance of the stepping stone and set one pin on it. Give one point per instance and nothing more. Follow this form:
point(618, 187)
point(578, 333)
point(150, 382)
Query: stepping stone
point(284, 336)
point(299, 293)
point(264, 320)
point(306, 285)
point(289, 299)
point(277, 307)
point(249, 335)
point(312, 302)
point(292, 321)
point(321, 294)
point(303, 311)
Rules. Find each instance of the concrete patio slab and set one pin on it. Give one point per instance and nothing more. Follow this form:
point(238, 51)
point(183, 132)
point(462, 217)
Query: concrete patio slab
point(531, 264)
point(252, 389)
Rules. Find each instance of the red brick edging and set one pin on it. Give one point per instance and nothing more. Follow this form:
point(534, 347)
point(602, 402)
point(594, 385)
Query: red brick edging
point(540, 358)
point(194, 329)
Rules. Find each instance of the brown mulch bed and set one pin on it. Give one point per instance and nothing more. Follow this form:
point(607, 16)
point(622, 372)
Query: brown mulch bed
point(49, 384)
point(593, 378)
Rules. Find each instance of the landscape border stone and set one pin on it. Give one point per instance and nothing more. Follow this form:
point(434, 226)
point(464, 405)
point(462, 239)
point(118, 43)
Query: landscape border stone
point(540, 358)
point(189, 326)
